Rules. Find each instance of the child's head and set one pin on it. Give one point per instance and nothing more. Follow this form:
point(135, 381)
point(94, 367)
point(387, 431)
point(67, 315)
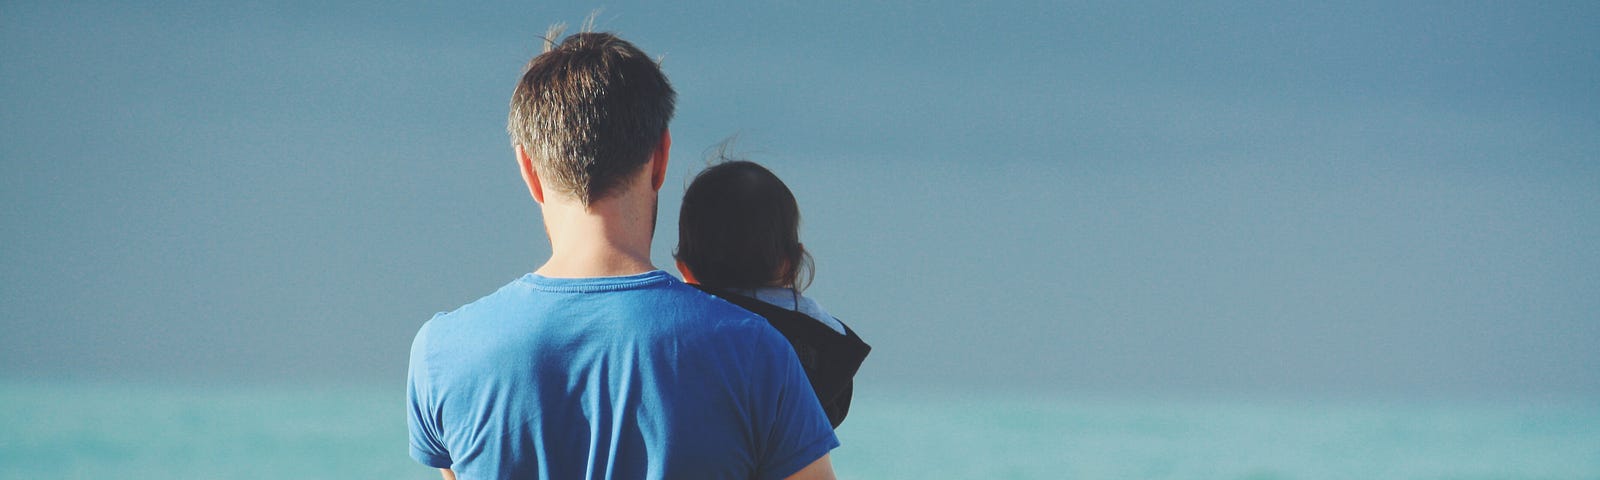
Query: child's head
point(740, 228)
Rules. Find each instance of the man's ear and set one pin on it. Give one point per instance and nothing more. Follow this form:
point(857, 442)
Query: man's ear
point(529, 175)
point(658, 161)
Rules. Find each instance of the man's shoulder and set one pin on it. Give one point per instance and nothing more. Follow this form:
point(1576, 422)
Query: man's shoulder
point(660, 295)
point(507, 295)
point(714, 315)
point(734, 327)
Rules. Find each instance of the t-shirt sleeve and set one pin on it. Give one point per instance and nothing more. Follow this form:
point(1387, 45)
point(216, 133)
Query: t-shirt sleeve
point(796, 430)
point(422, 419)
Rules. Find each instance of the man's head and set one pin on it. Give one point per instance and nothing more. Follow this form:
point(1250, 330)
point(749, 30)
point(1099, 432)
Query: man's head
point(589, 112)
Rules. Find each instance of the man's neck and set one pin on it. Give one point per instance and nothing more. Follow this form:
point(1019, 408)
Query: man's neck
point(594, 260)
point(609, 238)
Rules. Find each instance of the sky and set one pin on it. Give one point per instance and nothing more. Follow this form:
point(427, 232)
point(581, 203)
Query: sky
point(1226, 197)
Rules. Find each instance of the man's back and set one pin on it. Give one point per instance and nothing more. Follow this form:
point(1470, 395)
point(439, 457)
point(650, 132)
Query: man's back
point(614, 377)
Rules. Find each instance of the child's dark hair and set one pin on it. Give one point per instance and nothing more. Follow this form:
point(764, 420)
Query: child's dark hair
point(739, 227)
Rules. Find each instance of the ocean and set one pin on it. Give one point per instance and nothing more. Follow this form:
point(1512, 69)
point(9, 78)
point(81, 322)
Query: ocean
point(99, 431)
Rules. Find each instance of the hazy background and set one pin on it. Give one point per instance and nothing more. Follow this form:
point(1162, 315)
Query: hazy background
point(1230, 198)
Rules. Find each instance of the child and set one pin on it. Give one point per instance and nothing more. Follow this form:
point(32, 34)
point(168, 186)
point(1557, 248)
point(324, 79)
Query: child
point(739, 239)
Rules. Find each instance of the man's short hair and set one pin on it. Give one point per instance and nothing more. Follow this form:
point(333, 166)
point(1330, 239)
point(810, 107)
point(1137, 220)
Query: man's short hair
point(589, 111)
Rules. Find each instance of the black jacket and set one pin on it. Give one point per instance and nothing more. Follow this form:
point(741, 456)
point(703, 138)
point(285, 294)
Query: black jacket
point(830, 359)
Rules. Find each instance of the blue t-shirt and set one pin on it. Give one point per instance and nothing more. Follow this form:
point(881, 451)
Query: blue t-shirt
point(629, 377)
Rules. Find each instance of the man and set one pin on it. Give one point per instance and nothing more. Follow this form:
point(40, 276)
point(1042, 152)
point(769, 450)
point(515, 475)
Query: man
point(599, 365)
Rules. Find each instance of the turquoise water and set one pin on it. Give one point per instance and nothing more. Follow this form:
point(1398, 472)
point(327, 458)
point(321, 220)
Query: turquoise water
point(82, 431)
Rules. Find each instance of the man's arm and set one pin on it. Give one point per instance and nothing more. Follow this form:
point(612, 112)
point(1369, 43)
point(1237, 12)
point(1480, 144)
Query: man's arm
point(788, 418)
point(822, 469)
point(450, 475)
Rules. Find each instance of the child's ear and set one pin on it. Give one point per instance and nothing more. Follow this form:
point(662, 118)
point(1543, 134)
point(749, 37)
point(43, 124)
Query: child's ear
point(688, 277)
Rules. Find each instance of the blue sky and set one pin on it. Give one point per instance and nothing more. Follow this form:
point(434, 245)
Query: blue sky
point(1302, 198)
